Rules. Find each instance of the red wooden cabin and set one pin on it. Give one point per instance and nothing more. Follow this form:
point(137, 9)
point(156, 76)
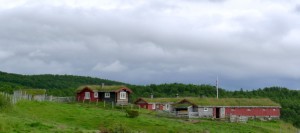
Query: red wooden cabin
point(164, 104)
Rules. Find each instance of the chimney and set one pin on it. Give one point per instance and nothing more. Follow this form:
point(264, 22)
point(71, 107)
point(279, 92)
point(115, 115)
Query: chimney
point(151, 96)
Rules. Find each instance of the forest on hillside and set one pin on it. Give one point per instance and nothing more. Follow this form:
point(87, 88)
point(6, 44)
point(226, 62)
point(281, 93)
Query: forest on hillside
point(65, 85)
point(58, 85)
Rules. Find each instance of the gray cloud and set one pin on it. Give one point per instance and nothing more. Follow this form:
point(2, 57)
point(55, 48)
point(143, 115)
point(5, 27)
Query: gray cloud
point(248, 44)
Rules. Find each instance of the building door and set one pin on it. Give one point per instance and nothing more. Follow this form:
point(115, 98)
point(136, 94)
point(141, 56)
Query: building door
point(217, 112)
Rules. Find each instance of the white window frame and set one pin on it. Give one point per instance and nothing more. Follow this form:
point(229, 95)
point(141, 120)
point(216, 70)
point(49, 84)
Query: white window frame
point(123, 95)
point(95, 94)
point(107, 95)
point(248, 109)
point(205, 109)
point(167, 106)
point(87, 95)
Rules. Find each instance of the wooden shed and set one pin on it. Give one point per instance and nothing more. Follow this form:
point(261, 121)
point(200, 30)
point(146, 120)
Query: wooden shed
point(164, 104)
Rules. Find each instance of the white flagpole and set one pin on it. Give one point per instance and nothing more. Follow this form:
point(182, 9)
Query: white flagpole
point(217, 87)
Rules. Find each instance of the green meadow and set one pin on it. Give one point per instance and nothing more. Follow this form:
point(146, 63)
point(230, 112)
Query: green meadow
point(41, 117)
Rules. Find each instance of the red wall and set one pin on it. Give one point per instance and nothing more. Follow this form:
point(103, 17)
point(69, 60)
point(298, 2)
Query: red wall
point(253, 112)
point(149, 106)
point(80, 95)
point(143, 105)
point(161, 107)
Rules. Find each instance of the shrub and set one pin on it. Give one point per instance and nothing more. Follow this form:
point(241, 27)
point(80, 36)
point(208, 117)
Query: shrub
point(132, 113)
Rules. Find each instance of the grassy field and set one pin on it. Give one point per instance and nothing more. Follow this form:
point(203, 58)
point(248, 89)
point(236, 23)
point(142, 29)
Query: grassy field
point(42, 117)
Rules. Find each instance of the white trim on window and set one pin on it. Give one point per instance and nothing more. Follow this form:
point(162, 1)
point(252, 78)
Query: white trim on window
point(205, 109)
point(167, 106)
point(106, 95)
point(153, 106)
point(87, 95)
point(123, 95)
point(95, 94)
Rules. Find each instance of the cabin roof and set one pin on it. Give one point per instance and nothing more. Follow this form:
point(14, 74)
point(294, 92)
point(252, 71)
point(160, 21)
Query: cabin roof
point(230, 101)
point(181, 105)
point(159, 100)
point(99, 88)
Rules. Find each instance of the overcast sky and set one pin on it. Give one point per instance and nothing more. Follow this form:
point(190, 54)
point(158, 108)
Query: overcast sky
point(248, 44)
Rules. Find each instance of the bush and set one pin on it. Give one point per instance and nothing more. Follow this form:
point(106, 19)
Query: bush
point(132, 113)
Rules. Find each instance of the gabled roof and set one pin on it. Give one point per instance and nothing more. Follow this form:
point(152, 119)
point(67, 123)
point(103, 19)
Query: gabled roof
point(99, 88)
point(159, 100)
point(230, 102)
point(181, 105)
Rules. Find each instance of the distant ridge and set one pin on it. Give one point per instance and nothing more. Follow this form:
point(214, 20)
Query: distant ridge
point(58, 84)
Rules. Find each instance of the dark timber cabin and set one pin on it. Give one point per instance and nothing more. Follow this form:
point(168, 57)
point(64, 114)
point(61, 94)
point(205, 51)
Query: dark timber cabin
point(116, 94)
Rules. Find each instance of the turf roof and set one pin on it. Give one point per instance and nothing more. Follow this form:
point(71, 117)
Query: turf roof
point(162, 100)
point(102, 89)
point(232, 102)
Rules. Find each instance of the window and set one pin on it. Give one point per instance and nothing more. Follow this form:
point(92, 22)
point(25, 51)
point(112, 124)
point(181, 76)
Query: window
point(122, 95)
point(107, 95)
point(232, 109)
point(153, 106)
point(274, 109)
point(167, 106)
point(264, 109)
point(95, 94)
point(87, 95)
point(248, 109)
point(205, 109)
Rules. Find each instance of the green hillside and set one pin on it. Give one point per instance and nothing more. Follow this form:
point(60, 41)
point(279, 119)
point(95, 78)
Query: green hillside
point(43, 117)
point(59, 85)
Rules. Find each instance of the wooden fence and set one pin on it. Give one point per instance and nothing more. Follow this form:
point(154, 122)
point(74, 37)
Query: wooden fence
point(22, 95)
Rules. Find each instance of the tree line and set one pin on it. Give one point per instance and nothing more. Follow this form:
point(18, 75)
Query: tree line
point(58, 85)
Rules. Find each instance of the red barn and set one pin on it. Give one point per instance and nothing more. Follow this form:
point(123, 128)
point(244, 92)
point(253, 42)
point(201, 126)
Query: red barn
point(227, 107)
point(116, 94)
point(254, 111)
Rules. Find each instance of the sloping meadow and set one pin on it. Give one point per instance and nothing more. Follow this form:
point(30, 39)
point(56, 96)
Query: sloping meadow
point(32, 116)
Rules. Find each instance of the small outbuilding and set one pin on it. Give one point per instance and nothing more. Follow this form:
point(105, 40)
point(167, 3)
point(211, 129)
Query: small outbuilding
point(164, 104)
